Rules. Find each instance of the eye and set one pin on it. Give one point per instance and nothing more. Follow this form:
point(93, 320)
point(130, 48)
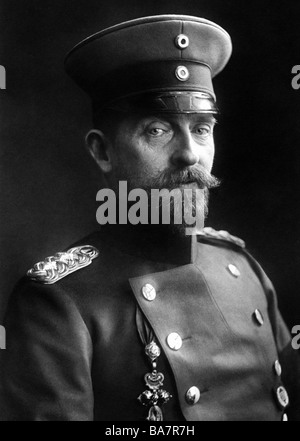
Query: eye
point(203, 130)
point(157, 130)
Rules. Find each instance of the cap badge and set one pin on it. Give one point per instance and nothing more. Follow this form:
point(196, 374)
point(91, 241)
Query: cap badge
point(182, 73)
point(182, 41)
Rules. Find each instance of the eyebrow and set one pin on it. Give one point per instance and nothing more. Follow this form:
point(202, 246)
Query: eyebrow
point(207, 117)
point(170, 118)
point(201, 117)
point(210, 118)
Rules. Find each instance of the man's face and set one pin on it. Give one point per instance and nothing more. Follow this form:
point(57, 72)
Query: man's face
point(166, 152)
point(147, 147)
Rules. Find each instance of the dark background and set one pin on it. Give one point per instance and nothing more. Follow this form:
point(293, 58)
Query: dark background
point(49, 183)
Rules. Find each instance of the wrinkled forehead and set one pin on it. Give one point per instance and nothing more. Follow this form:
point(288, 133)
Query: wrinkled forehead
point(173, 119)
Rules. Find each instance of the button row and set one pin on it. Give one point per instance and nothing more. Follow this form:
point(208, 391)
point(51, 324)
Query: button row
point(193, 394)
point(149, 293)
point(174, 341)
point(192, 397)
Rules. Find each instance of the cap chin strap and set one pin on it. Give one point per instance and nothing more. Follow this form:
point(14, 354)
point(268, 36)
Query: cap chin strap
point(168, 102)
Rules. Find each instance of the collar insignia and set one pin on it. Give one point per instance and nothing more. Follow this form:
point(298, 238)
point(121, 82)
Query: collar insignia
point(210, 233)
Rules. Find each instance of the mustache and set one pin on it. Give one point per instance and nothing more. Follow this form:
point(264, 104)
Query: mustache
point(196, 174)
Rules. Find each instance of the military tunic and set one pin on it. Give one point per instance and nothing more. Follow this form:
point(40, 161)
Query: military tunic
point(74, 349)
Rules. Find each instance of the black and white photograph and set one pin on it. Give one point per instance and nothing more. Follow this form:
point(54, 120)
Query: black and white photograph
point(150, 213)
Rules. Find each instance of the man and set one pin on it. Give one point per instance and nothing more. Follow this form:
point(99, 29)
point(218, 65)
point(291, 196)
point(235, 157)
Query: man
point(144, 321)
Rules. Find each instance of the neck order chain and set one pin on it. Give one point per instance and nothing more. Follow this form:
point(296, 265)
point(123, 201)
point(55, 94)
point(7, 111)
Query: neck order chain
point(154, 397)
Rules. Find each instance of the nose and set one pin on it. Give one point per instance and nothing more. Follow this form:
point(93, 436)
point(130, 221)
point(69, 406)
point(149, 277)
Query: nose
point(186, 151)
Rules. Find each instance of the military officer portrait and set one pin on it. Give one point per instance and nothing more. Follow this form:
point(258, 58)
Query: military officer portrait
point(142, 321)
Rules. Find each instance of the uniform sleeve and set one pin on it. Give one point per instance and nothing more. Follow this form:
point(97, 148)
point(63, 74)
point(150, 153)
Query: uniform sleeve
point(46, 367)
point(289, 358)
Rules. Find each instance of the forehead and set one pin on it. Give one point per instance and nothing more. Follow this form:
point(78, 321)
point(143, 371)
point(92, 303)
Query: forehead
point(135, 120)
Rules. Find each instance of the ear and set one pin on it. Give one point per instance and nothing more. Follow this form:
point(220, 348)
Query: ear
point(100, 148)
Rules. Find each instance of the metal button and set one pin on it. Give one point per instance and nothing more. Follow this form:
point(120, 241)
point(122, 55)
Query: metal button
point(233, 270)
point(182, 73)
point(282, 396)
point(259, 317)
point(174, 341)
point(277, 368)
point(192, 396)
point(149, 292)
point(285, 417)
point(182, 41)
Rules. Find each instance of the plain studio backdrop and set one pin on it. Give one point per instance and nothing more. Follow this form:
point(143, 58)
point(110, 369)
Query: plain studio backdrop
point(48, 181)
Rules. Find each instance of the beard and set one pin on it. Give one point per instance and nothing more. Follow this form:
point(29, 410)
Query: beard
point(190, 187)
point(193, 185)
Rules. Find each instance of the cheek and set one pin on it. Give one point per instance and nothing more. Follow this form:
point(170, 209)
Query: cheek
point(146, 156)
point(126, 156)
point(211, 154)
point(148, 165)
point(136, 162)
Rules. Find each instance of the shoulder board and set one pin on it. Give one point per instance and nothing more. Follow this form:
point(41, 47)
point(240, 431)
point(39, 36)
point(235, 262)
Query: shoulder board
point(56, 267)
point(210, 233)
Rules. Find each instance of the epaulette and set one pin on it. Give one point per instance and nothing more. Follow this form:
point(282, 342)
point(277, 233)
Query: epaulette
point(210, 233)
point(60, 265)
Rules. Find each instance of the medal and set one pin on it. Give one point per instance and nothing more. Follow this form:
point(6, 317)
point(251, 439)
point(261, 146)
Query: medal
point(154, 397)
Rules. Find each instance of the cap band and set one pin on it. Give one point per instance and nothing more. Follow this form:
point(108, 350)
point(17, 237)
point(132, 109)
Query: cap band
point(168, 102)
point(156, 77)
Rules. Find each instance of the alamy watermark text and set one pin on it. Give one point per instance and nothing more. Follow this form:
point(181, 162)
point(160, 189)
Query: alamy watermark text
point(296, 338)
point(2, 77)
point(2, 338)
point(184, 205)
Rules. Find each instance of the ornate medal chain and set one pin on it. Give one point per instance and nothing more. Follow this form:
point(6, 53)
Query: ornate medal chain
point(154, 397)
